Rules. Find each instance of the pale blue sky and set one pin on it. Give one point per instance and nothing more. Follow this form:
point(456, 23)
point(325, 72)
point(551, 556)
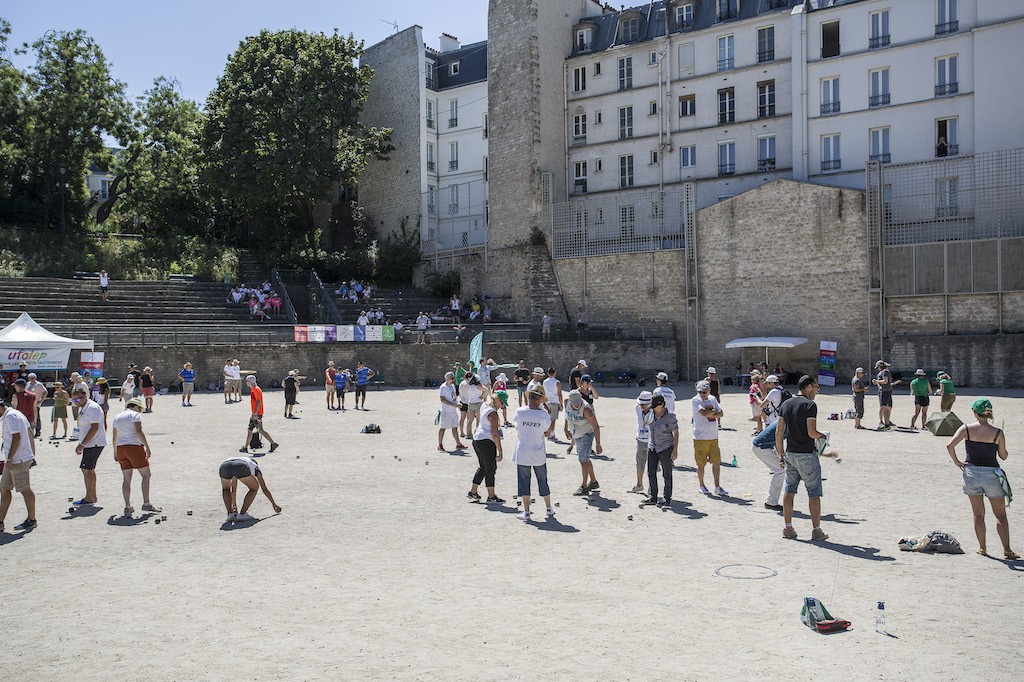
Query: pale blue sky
point(190, 39)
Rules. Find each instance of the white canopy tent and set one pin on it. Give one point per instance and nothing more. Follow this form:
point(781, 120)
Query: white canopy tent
point(24, 340)
point(767, 342)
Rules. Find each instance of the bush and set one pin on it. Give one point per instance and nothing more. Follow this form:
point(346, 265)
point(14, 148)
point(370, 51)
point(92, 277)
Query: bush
point(399, 255)
point(444, 284)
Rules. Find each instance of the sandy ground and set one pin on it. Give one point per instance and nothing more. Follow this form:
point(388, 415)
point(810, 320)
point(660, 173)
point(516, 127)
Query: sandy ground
point(379, 568)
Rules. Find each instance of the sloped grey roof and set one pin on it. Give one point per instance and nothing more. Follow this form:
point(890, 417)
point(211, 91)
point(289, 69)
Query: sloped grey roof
point(472, 60)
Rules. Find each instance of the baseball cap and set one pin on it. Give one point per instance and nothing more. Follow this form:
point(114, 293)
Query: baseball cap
point(502, 377)
point(859, 369)
point(20, 382)
point(941, 373)
point(582, 362)
point(711, 370)
point(772, 379)
point(586, 378)
point(538, 370)
point(981, 406)
point(644, 398)
point(704, 385)
point(575, 397)
point(919, 373)
point(662, 376)
point(881, 363)
point(136, 402)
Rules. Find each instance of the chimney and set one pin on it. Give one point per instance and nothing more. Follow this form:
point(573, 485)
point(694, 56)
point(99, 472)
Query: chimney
point(449, 43)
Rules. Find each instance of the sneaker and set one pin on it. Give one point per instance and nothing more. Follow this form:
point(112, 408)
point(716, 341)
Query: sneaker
point(661, 501)
point(472, 495)
point(550, 512)
point(819, 534)
point(650, 500)
point(495, 500)
point(773, 507)
point(523, 516)
point(231, 518)
point(245, 450)
point(704, 490)
point(150, 508)
point(594, 485)
point(580, 492)
point(440, 448)
point(789, 533)
point(27, 524)
point(244, 517)
point(273, 446)
point(721, 492)
point(637, 489)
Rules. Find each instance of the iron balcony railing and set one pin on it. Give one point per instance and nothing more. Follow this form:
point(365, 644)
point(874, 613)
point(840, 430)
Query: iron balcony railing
point(947, 150)
point(453, 123)
point(884, 158)
point(726, 116)
point(765, 56)
point(764, 165)
point(830, 108)
point(878, 41)
point(453, 165)
point(726, 64)
point(878, 100)
point(727, 169)
point(765, 110)
point(946, 89)
point(834, 164)
point(948, 27)
point(431, 166)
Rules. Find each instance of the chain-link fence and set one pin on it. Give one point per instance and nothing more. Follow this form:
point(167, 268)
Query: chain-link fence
point(456, 217)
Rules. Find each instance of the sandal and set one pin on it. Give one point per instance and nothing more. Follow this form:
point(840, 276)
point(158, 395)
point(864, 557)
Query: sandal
point(982, 552)
point(1011, 555)
point(128, 511)
point(150, 508)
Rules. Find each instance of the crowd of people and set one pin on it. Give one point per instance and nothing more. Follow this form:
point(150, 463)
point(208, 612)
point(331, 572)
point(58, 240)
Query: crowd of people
point(355, 291)
point(262, 300)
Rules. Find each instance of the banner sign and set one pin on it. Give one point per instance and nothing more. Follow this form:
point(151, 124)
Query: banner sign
point(45, 359)
point(91, 363)
point(315, 333)
point(374, 333)
point(476, 349)
point(827, 363)
point(347, 333)
point(301, 334)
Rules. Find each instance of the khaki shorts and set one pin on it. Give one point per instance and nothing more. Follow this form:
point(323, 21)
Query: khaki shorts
point(15, 476)
point(474, 407)
point(331, 388)
point(705, 451)
point(234, 384)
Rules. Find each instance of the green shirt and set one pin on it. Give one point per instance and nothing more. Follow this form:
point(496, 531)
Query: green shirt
point(459, 373)
point(920, 386)
point(947, 387)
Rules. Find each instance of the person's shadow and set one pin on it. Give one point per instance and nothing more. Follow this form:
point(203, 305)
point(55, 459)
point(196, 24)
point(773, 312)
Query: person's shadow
point(855, 551)
point(239, 525)
point(7, 538)
point(82, 512)
point(499, 508)
point(602, 504)
point(684, 509)
point(738, 501)
point(552, 524)
point(603, 458)
point(831, 518)
point(128, 521)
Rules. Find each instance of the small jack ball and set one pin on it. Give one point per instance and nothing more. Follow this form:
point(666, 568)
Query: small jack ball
point(71, 510)
point(157, 521)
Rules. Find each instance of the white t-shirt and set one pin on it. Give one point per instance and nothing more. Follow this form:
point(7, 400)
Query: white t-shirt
point(533, 382)
point(448, 393)
point(474, 394)
point(551, 389)
point(15, 422)
point(704, 428)
point(363, 321)
point(236, 373)
point(227, 371)
point(456, 304)
point(104, 280)
point(643, 424)
point(483, 432)
point(775, 399)
point(399, 326)
point(531, 448)
point(91, 414)
point(670, 397)
point(546, 320)
point(422, 322)
point(124, 424)
point(464, 391)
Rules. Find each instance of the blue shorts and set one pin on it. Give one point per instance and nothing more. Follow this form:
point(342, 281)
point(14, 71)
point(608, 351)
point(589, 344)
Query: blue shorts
point(982, 481)
point(806, 467)
point(584, 446)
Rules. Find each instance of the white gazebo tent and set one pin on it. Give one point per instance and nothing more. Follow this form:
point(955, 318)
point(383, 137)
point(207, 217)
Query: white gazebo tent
point(26, 340)
point(767, 342)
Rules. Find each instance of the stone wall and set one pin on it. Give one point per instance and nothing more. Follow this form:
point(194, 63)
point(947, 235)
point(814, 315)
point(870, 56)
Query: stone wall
point(967, 314)
point(390, 191)
point(987, 360)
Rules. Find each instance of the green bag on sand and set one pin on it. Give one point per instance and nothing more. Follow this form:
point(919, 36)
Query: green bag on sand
point(1005, 482)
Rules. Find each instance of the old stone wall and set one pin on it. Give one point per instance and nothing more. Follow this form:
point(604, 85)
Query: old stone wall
point(987, 360)
point(967, 314)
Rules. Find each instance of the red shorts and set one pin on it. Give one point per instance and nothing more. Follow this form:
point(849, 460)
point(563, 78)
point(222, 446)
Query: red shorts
point(131, 457)
point(149, 392)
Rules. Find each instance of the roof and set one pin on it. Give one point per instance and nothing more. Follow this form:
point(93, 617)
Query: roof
point(472, 61)
point(652, 20)
point(25, 331)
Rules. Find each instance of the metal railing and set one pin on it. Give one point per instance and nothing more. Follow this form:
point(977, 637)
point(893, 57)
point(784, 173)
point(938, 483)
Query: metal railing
point(726, 64)
point(726, 169)
point(149, 336)
point(884, 157)
point(834, 164)
point(323, 299)
point(765, 56)
point(878, 41)
point(948, 27)
point(764, 165)
point(943, 89)
point(282, 290)
point(830, 108)
point(878, 100)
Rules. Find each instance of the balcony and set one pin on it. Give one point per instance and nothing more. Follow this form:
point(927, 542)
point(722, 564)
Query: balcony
point(765, 165)
point(884, 158)
point(764, 56)
point(766, 111)
point(876, 42)
point(947, 28)
point(828, 108)
point(453, 209)
point(950, 211)
point(726, 169)
point(430, 123)
point(944, 149)
point(579, 140)
point(726, 116)
point(453, 123)
point(835, 164)
point(579, 186)
point(431, 83)
point(726, 64)
point(453, 165)
point(947, 89)
point(878, 100)
point(431, 166)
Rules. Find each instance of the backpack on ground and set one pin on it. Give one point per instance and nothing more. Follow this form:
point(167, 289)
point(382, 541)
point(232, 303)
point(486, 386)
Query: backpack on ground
point(255, 442)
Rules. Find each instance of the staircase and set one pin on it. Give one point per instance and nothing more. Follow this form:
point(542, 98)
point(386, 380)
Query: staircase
point(545, 294)
point(398, 304)
point(250, 267)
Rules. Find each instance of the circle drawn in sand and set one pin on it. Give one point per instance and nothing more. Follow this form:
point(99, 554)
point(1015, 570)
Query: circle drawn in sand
point(745, 572)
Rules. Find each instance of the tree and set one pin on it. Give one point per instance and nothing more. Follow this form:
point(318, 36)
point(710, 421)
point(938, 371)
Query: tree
point(282, 128)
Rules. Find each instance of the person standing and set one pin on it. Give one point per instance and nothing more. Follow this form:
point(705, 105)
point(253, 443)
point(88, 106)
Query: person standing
point(449, 418)
point(530, 454)
point(581, 323)
point(500, 389)
point(291, 393)
point(341, 380)
point(92, 431)
point(18, 451)
point(236, 379)
point(982, 476)
point(24, 401)
point(643, 437)
point(576, 374)
point(102, 398)
point(456, 307)
point(227, 371)
point(920, 388)
point(707, 412)
point(947, 390)
point(60, 409)
point(797, 426)
point(422, 322)
point(522, 376)
point(462, 391)
point(883, 380)
point(148, 388)
point(581, 428)
point(553, 394)
point(363, 376)
point(243, 470)
point(536, 379)
point(859, 386)
point(188, 384)
point(545, 325)
point(663, 450)
point(662, 388)
point(756, 394)
point(256, 418)
point(128, 389)
point(38, 389)
point(487, 446)
point(330, 388)
point(132, 452)
point(588, 390)
point(764, 449)
point(773, 400)
point(475, 394)
point(104, 286)
point(716, 387)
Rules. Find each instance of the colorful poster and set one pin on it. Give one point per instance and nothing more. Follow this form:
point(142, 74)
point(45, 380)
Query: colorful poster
point(38, 358)
point(316, 333)
point(827, 363)
point(359, 333)
point(345, 332)
point(330, 333)
point(374, 333)
point(301, 334)
point(92, 363)
point(388, 333)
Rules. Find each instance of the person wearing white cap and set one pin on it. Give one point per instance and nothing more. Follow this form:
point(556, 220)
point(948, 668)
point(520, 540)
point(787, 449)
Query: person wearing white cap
point(530, 454)
point(706, 413)
point(643, 437)
point(860, 387)
point(663, 389)
point(716, 387)
point(581, 428)
point(772, 402)
point(553, 394)
point(920, 388)
point(576, 374)
point(883, 380)
point(500, 389)
point(449, 415)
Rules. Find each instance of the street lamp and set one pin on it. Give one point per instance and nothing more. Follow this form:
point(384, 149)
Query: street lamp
point(62, 169)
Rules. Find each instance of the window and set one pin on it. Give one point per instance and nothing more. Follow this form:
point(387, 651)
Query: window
point(652, 107)
point(947, 197)
point(430, 157)
point(485, 169)
point(830, 159)
point(726, 53)
point(728, 9)
point(726, 158)
point(687, 105)
point(688, 156)
point(946, 143)
point(627, 221)
point(765, 99)
point(579, 79)
point(487, 126)
point(598, 165)
point(625, 122)
point(878, 141)
point(684, 16)
point(430, 113)
point(453, 113)
point(653, 58)
point(654, 157)
point(879, 29)
point(625, 73)
point(726, 105)
point(597, 68)
point(429, 68)
point(629, 30)
point(765, 44)
point(453, 156)
point(830, 96)
point(579, 128)
point(431, 199)
point(945, 76)
point(765, 153)
point(453, 69)
point(584, 39)
point(453, 199)
point(626, 171)
point(878, 96)
point(104, 190)
point(946, 17)
point(686, 59)
point(598, 118)
point(579, 175)
point(830, 39)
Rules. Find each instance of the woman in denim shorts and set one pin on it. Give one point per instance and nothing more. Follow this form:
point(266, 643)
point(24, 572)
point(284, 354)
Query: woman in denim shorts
point(982, 475)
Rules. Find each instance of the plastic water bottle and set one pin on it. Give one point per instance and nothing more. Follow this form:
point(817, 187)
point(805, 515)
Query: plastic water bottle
point(880, 619)
point(734, 461)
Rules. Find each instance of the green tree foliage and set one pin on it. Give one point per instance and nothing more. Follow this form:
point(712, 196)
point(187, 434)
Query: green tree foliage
point(399, 254)
point(282, 129)
point(12, 117)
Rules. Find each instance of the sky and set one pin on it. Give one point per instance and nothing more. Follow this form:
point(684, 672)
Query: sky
point(190, 40)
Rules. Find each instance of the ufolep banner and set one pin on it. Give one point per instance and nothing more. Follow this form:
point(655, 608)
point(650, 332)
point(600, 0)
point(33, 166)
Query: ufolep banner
point(46, 359)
